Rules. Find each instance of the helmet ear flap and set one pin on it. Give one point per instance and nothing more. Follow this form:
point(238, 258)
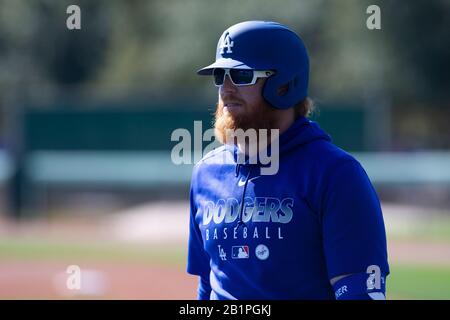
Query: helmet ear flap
point(281, 93)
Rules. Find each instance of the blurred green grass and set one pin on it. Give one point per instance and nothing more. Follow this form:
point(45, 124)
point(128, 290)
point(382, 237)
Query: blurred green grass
point(80, 251)
point(426, 228)
point(422, 282)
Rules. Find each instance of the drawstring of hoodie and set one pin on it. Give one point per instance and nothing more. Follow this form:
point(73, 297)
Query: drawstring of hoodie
point(241, 210)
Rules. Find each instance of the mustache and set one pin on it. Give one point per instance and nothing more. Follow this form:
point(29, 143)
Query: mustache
point(230, 98)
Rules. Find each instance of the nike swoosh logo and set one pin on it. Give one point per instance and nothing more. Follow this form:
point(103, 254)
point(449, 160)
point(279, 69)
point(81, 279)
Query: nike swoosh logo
point(241, 181)
point(254, 178)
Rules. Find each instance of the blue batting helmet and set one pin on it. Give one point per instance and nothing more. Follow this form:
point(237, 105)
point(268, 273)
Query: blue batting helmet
point(266, 45)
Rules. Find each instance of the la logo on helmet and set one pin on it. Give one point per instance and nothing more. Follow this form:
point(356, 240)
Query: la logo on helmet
point(226, 43)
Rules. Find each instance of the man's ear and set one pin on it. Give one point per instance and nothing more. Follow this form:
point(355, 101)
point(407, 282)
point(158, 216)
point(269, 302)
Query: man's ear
point(283, 90)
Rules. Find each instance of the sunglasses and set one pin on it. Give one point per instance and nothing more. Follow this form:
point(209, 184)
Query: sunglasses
point(239, 77)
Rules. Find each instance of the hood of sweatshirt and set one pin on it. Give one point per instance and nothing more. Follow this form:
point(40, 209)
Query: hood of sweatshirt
point(301, 132)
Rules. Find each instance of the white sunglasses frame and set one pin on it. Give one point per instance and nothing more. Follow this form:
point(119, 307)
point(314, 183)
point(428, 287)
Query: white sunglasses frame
point(256, 74)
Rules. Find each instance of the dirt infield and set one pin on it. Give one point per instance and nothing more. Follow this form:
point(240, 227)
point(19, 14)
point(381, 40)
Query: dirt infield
point(25, 277)
point(419, 252)
point(44, 280)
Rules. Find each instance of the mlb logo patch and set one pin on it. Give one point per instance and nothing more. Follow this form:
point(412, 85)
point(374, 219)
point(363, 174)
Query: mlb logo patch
point(240, 252)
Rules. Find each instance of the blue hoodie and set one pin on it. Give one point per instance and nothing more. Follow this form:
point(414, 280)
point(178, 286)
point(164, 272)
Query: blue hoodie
point(317, 218)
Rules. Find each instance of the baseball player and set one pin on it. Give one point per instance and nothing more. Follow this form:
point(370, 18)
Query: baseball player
point(312, 230)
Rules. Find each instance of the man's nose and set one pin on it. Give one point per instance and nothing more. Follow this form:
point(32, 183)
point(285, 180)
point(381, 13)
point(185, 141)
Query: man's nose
point(227, 86)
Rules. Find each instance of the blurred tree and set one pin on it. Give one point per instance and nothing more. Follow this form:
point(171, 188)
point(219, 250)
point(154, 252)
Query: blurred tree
point(141, 47)
point(70, 56)
point(420, 35)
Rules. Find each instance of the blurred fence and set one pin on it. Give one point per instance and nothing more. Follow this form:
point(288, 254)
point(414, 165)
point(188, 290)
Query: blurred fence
point(155, 168)
point(90, 170)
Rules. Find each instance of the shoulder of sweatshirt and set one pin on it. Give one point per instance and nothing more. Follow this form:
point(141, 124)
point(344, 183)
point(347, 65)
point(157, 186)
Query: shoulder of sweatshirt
point(323, 156)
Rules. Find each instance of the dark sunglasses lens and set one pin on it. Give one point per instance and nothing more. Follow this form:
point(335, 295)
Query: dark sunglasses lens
point(241, 76)
point(218, 76)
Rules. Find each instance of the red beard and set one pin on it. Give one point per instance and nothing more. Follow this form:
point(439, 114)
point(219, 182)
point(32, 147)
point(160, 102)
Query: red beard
point(250, 117)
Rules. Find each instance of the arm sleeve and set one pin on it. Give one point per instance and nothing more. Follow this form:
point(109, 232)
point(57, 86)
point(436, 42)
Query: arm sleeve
point(361, 286)
point(354, 236)
point(197, 258)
